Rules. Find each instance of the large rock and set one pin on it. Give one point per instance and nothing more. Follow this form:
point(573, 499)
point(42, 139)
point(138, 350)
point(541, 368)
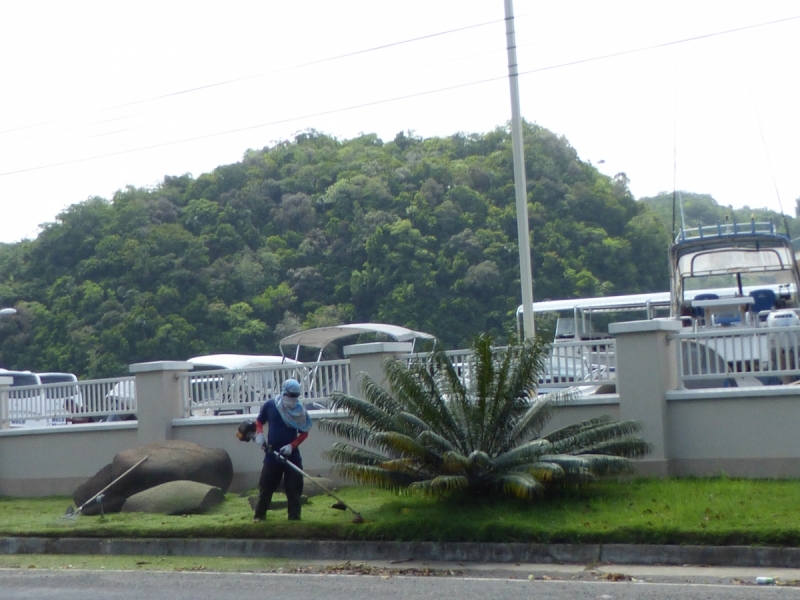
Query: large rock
point(176, 498)
point(173, 460)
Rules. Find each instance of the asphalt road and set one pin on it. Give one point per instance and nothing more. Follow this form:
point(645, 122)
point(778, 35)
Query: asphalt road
point(16, 584)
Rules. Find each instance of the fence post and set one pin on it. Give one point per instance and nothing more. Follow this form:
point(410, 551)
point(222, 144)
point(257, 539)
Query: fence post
point(5, 383)
point(647, 368)
point(158, 398)
point(368, 359)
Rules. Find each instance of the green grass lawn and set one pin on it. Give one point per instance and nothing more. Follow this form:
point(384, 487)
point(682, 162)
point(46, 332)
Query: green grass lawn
point(717, 511)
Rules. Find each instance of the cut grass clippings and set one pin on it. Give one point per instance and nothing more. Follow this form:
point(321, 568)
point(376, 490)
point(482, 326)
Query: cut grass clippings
point(714, 511)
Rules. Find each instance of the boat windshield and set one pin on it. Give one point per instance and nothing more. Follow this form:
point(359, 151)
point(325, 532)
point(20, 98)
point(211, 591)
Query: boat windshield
point(734, 260)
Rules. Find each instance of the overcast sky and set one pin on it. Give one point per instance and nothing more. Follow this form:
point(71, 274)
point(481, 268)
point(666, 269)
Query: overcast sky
point(701, 95)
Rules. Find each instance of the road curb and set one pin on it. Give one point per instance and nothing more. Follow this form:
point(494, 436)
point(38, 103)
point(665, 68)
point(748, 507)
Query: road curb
point(629, 554)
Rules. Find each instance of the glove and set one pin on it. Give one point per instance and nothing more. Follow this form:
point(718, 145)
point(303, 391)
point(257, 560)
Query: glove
point(287, 450)
point(260, 439)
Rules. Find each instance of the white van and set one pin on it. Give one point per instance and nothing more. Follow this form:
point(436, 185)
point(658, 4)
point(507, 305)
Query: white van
point(27, 405)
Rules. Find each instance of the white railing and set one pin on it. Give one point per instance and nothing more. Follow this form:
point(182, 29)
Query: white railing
point(734, 356)
point(70, 402)
point(243, 391)
point(589, 362)
point(586, 363)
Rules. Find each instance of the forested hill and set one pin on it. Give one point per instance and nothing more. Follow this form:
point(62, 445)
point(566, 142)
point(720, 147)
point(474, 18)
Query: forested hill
point(317, 231)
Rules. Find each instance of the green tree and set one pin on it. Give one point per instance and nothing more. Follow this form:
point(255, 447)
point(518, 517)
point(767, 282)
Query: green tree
point(434, 434)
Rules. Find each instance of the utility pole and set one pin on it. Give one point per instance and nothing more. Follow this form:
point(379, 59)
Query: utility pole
point(520, 182)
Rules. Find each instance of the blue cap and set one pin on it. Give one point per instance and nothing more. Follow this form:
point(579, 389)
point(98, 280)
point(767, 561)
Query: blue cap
point(291, 387)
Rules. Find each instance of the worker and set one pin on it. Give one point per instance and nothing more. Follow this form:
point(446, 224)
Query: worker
point(288, 422)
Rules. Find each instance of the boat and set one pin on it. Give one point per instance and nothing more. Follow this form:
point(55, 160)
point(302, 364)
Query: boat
point(732, 284)
point(745, 272)
point(746, 317)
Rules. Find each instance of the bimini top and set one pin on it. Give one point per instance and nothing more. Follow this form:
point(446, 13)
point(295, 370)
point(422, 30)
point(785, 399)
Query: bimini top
point(236, 361)
point(603, 303)
point(322, 336)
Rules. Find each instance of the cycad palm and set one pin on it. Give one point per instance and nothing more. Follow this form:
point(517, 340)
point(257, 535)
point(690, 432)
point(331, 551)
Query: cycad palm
point(434, 434)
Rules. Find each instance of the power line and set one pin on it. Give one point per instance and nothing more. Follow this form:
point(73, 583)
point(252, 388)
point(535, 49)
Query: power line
point(399, 98)
point(281, 70)
point(661, 45)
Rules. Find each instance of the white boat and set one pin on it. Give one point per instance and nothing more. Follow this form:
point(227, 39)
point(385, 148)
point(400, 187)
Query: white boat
point(724, 279)
point(749, 279)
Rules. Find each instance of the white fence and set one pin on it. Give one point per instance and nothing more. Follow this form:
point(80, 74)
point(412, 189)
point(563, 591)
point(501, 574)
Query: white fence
point(740, 357)
point(71, 402)
point(243, 391)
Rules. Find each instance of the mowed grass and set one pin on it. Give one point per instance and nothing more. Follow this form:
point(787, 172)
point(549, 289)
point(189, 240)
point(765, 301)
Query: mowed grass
point(715, 511)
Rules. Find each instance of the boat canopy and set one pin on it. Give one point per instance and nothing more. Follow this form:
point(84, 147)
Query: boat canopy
point(322, 336)
point(603, 303)
point(738, 260)
point(236, 361)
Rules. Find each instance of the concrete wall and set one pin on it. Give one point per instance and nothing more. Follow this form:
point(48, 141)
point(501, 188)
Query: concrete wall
point(734, 432)
point(739, 432)
point(56, 460)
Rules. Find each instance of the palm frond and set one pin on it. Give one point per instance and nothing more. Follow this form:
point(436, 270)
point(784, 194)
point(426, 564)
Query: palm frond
point(344, 453)
point(576, 468)
point(526, 453)
point(411, 422)
point(603, 465)
point(569, 462)
point(345, 429)
point(478, 461)
point(518, 370)
point(543, 471)
point(531, 423)
point(416, 390)
point(368, 475)
point(362, 411)
point(520, 485)
point(443, 484)
point(434, 441)
point(408, 466)
point(629, 447)
point(571, 430)
point(375, 394)
point(454, 462)
point(399, 444)
point(590, 436)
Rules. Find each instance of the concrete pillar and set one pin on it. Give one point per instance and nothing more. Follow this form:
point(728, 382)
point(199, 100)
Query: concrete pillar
point(368, 358)
point(646, 369)
point(158, 398)
point(5, 383)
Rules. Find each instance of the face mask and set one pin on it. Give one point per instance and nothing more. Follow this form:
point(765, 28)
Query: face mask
point(289, 401)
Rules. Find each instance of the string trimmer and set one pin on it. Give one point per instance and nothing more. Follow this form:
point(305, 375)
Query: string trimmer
point(246, 432)
point(339, 505)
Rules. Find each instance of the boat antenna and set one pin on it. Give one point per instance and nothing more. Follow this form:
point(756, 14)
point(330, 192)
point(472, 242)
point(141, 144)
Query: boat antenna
point(675, 192)
point(769, 162)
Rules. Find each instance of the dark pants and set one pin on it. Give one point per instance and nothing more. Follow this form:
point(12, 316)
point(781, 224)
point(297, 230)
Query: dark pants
point(271, 475)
